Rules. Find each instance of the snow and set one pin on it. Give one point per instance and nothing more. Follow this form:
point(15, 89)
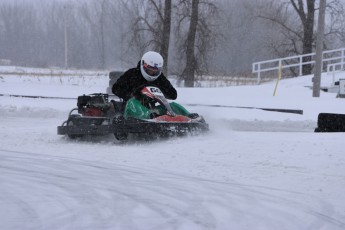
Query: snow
point(254, 170)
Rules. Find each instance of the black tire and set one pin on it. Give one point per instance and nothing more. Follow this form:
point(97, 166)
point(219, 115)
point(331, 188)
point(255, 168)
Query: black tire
point(330, 122)
point(121, 136)
point(71, 122)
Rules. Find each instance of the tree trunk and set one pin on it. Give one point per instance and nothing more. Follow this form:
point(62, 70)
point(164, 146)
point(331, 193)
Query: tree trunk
point(308, 26)
point(190, 68)
point(307, 19)
point(166, 35)
point(102, 34)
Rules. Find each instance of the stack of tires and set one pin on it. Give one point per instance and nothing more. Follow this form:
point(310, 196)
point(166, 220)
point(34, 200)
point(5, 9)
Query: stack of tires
point(330, 122)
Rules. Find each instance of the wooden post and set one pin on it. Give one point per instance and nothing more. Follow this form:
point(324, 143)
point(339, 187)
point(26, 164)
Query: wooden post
point(319, 49)
point(279, 76)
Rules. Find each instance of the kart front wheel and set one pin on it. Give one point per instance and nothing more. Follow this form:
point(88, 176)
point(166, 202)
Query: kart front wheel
point(121, 136)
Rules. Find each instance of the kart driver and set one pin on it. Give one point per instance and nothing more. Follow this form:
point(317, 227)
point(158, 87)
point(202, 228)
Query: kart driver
point(147, 72)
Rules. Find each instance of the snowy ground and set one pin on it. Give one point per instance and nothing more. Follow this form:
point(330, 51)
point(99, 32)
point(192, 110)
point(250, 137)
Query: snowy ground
point(254, 169)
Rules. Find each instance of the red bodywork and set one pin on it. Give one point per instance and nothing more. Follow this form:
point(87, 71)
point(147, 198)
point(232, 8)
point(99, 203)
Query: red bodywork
point(178, 118)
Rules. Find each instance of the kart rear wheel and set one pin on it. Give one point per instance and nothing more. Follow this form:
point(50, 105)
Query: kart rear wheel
point(71, 123)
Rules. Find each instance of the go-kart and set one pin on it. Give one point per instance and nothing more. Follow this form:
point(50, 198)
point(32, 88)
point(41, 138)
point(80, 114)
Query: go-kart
point(147, 113)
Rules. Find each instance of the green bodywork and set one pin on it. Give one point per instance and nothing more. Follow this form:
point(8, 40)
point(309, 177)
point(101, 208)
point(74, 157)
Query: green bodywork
point(134, 108)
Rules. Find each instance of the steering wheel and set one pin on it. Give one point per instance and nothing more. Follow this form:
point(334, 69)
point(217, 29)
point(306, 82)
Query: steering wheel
point(145, 100)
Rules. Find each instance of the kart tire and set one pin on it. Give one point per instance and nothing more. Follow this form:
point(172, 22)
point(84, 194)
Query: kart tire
point(121, 136)
point(71, 123)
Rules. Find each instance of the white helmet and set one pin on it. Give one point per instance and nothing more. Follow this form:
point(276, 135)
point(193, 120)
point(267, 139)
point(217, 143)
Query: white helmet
point(151, 65)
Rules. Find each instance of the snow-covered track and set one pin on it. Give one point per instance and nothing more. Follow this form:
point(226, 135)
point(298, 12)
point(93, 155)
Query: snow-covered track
point(49, 192)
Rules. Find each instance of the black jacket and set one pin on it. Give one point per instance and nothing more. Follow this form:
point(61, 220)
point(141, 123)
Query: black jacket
point(132, 79)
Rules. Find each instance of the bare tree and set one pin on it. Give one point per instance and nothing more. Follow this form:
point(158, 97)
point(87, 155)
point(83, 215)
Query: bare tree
point(335, 26)
point(191, 64)
point(166, 34)
point(307, 18)
point(298, 35)
point(198, 16)
point(95, 15)
point(151, 26)
point(113, 33)
point(296, 20)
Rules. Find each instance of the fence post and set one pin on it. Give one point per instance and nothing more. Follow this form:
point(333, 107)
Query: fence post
point(300, 65)
point(259, 75)
point(331, 67)
point(279, 76)
point(342, 59)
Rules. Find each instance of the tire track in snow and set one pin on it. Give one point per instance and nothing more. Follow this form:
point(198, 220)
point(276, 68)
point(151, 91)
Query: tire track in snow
point(50, 192)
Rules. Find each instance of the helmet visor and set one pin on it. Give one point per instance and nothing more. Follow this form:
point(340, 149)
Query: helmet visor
point(152, 70)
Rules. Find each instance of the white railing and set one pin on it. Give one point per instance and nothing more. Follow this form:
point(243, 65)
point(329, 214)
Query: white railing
point(332, 68)
point(329, 57)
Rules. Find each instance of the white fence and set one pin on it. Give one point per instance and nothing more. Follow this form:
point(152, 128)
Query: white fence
point(334, 58)
point(336, 67)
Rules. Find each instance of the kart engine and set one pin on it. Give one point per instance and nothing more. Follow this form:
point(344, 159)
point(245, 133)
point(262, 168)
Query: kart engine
point(94, 105)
